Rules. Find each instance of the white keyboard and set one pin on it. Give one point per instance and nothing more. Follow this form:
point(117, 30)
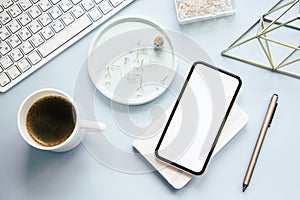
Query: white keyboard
point(32, 32)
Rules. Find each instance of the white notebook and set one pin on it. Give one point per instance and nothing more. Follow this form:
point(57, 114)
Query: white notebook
point(177, 178)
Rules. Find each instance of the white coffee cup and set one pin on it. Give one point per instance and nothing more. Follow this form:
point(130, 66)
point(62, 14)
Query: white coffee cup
point(80, 125)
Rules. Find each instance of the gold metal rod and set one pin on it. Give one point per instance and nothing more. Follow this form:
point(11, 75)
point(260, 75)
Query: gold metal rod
point(254, 37)
point(274, 9)
point(277, 27)
point(288, 73)
point(280, 43)
point(262, 66)
point(248, 61)
point(269, 53)
point(285, 59)
point(266, 53)
point(280, 16)
point(287, 25)
point(289, 63)
point(245, 33)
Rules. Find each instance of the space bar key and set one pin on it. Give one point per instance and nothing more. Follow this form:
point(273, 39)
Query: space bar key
point(68, 33)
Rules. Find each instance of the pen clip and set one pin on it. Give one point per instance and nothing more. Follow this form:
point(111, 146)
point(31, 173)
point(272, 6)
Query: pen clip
point(273, 114)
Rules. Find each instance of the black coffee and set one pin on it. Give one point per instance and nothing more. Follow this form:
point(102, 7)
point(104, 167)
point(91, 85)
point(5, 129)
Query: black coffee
point(51, 120)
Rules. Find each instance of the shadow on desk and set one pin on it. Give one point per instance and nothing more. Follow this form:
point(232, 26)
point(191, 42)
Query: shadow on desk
point(48, 171)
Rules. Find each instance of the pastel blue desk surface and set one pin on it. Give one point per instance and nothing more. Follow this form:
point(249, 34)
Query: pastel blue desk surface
point(27, 173)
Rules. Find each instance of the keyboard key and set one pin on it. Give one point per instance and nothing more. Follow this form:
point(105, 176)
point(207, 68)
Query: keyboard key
point(25, 34)
point(55, 1)
point(77, 11)
point(115, 3)
point(25, 4)
point(16, 55)
point(24, 19)
point(7, 3)
point(4, 18)
point(24, 65)
point(4, 48)
point(95, 14)
point(13, 72)
point(98, 1)
point(75, 1)
point(67, 19)
point(105, 7)
point(87, 4)
point(65, 5)
point(37, 40)
point(4, 33)
point(57, 26)
point(64, 36)
point(55, 12)
point(44, 5)
point(14, 41)
point(14, 26)
point(47, 33)
point(4, 80)
point(14, 10)
point(26, 47)
point(6, 62)
point(34, 58)
point(45, 19)
point(34, 12)
point(34, 26)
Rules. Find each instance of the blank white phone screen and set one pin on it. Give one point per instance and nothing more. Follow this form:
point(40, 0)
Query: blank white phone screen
point(198, 117)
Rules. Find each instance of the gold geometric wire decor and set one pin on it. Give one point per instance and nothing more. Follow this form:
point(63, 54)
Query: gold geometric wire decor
point(278, 29)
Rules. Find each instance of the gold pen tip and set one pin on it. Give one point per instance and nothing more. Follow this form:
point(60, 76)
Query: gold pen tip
point(244, 187)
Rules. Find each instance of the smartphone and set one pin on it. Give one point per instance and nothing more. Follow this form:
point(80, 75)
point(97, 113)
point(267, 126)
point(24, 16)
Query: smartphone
point(198, 117)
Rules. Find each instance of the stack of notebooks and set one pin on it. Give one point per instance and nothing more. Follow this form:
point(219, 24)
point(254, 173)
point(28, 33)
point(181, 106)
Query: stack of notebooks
point(177, 178)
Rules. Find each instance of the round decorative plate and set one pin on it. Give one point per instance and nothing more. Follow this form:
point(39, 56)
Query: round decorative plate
point(131, 61)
